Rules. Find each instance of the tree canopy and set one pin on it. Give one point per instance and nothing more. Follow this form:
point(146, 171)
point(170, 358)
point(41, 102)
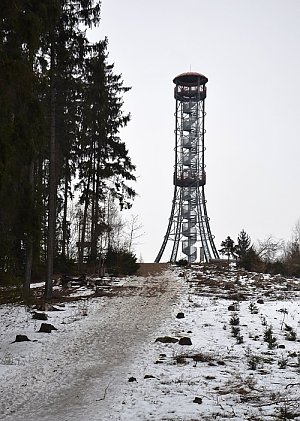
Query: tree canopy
point(61, 111)
point(228, 248)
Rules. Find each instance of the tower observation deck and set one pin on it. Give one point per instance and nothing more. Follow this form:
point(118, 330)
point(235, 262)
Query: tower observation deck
point(189, 221)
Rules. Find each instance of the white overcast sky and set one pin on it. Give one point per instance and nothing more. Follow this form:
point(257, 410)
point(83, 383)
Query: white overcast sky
point(250, 52)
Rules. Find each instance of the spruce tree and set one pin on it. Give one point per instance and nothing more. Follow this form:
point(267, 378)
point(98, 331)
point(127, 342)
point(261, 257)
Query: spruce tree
point(243, 244)
point(104, 164)
point(64, 45)
point(21, 132)
point(60, 116)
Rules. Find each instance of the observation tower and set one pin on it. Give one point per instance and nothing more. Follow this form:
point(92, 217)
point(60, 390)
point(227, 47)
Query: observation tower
point(189, 221)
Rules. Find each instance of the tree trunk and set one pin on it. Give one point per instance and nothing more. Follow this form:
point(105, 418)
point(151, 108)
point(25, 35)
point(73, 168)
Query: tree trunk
point(93, 251)
point(65, 214)
point(83, 229)
point(29, 245)
point(52, 186)
point(95, 216)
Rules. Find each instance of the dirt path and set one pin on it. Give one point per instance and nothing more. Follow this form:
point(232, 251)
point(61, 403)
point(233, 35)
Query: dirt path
point(88, 367)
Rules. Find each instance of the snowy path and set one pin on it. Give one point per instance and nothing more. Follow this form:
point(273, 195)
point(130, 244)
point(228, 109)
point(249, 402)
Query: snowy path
point(79, 371)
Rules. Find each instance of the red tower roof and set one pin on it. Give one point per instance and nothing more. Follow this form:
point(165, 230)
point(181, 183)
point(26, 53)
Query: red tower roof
point(190, 79)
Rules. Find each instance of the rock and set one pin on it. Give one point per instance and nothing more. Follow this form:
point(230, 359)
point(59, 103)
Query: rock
point(21, 338)
point(180, 316)
point(149, 376)
point(197, 400)
point(47, 307)
point(39, 316)
point(46, 328)
point(260, 301)
point(132, 379)
point(166, 340)
point(185, 341)
point(281, 346)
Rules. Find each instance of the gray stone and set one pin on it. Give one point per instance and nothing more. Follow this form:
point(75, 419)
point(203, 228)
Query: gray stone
point(185, 341)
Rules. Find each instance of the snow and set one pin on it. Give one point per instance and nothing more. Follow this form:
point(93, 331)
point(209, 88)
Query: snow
point(81, 371)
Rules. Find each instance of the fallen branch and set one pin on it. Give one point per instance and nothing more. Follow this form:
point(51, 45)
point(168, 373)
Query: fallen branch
point(285, 401)
point(104, 395)
point(292, 384)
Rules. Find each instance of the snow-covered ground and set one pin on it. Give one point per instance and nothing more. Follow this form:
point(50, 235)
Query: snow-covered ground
point(82, 370)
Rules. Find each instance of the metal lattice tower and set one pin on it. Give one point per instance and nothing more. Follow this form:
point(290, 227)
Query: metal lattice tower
point(189, 222)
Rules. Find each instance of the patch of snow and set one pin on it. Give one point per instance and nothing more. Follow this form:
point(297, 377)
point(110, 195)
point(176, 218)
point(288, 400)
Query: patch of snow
point(81, 371)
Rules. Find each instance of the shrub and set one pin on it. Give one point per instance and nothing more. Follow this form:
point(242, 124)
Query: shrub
point(234, 320)
point(253, 361)
point(282, 362)
point(251, 261)
point(269, 338)
point(121, 262)
point(253, 308)
point(235, 330)
point(290, 334)
point(182, 263)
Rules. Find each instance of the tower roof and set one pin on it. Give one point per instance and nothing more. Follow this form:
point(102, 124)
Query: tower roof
point(190, 79)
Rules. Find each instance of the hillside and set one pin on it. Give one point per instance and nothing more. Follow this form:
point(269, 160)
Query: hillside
point(109, 360)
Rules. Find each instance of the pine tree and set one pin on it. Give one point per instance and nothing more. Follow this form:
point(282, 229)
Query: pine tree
point(243, 244)
point(228, 248)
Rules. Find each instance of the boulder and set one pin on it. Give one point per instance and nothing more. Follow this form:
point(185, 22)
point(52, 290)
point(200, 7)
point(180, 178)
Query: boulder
point(39, 316)
point(47, 328)
point(260, 301)
point(21, 338)
point(185, 341)
point(166, 340)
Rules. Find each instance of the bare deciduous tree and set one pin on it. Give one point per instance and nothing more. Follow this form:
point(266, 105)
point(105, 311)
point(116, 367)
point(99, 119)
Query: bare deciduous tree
point(134, 228)
point(270, 249)
point(296, 231)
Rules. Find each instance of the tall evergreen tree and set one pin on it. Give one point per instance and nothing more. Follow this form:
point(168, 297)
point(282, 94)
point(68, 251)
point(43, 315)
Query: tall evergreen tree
point(243, 244)
point(104, 164)
point(21, 131)
point(60, 116)
point(65, 45)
